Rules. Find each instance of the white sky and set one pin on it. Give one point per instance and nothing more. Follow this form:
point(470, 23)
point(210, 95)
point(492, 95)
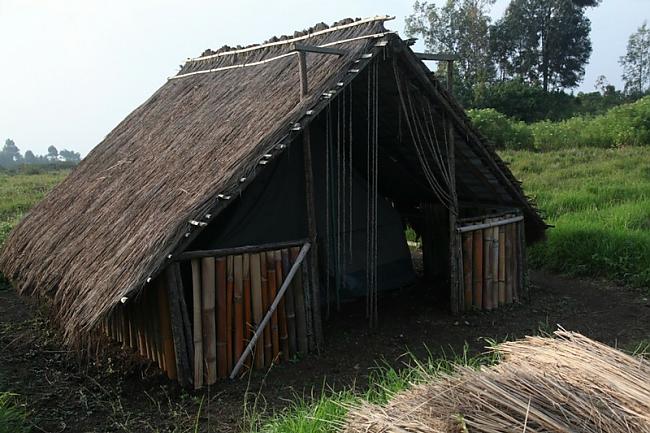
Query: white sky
point(71, 70)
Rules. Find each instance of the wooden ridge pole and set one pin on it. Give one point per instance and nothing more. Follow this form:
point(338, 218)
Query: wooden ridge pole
point(272, 308)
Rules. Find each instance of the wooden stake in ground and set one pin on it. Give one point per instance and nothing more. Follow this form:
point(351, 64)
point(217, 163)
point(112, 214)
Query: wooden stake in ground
point(256, 299)
point(197, 330)
point(208, 320)
point(222, 315)
point(467, 269)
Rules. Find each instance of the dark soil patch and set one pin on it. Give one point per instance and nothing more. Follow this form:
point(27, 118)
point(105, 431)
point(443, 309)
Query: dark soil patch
point(121, 395)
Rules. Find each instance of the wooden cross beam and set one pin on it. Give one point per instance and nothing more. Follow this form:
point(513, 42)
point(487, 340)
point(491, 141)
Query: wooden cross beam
point(442, 57)
point(302, 50)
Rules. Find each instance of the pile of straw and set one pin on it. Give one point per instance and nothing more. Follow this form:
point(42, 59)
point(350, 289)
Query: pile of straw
point(564, 384)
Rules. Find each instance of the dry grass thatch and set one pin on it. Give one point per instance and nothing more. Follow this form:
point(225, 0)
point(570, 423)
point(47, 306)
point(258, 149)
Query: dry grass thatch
point(114, 222)
point(564, 384)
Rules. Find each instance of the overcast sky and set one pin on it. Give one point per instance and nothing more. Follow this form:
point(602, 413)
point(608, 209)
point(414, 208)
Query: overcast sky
point(71, 70)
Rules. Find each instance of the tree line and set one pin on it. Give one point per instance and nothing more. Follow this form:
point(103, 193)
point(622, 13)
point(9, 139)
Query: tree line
point(10, 156)
point(523, 63)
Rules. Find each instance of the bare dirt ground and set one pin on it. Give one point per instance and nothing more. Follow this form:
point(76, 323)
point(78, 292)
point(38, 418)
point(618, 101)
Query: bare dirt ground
point(120, 395)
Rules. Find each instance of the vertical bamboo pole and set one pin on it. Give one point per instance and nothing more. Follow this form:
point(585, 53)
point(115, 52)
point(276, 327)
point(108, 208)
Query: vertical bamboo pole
point(502, 265)
point(523, 286)
point(468, 257)
point(477, 271)
point(266, 301)
point(222, 314)
point(495, 267)
point(509, 262)
point(299, 306)
point(238, 297)
point(197, 328)
point(515, 253)
point(248, 308)
point(272, 288)
point(256, 299)
point(166, 330)
point(230, 287)
point(487, 269)
point(208, 320)
point(289, 305)
point(282, 314)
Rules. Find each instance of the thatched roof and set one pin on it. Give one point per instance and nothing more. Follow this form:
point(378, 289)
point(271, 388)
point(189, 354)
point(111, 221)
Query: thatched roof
point(138, 196)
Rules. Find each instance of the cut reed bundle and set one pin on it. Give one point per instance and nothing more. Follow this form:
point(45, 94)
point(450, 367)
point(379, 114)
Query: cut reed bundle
point(564, 384)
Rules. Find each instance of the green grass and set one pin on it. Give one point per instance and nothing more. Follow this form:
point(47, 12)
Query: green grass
point(599, 202)
point(324, 411)
point(20, 191)
point(13, 418)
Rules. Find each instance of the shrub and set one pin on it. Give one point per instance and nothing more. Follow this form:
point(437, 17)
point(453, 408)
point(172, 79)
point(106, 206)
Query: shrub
point(505, 133)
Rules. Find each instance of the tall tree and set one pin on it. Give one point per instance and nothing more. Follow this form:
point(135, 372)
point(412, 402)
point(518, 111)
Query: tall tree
point(10, 153)
point(636, 62)
point(544, 41)
point(52, 153)
point(459, 27)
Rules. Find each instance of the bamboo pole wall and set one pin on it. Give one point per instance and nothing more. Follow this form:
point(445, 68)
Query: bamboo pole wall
point(492, 257)
point(245, 286)
point(230, 296)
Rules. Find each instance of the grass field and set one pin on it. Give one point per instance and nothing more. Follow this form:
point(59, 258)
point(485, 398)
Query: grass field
point(599, 202)
point(20, 191)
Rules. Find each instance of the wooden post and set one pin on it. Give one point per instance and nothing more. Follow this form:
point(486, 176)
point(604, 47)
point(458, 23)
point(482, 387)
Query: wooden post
point(238, 297)
point(299, 308)
point(177, 322)
point(487, 269)
point(208, 320)
point(282, 313)
point(524, 294)
point(313, 254)
point(222, 321)
point(289, 305)
point(477, 271)
point(467, 269)
point(198, 326)
point(271, 280)
point(248, 309)
point(266, 301)
point(510, 260)
point(454, 246)
point(502, 265)
point(230, 286)
point(256, 300)
point(495, 267)
point(166, 329)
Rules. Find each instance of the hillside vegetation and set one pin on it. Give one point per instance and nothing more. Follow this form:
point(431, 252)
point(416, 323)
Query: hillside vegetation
point(599, 202)
point(624, 125)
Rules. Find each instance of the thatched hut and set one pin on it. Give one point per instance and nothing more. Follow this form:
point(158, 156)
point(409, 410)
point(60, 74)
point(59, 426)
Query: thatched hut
point(263, 184)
